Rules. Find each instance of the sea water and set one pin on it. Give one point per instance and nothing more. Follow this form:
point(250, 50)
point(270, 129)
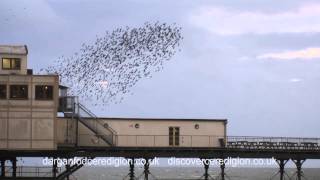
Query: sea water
point(184, 173)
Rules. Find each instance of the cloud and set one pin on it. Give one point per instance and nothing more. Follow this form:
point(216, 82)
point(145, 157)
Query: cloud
point(230, 22)
point(308, 53)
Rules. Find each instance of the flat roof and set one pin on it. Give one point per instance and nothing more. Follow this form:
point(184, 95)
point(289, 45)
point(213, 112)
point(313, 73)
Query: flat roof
point(36, 75)
point(158, 119)
point(14, 49)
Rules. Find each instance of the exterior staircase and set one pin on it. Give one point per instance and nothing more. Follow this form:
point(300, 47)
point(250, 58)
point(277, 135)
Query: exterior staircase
point(71, 107)
point(91, 121)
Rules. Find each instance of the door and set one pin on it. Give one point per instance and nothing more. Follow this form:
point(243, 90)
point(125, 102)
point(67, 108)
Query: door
point(174, 136)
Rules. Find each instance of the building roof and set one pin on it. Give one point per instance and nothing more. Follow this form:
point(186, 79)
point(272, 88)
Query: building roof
point(14, 49)
point(159, 119)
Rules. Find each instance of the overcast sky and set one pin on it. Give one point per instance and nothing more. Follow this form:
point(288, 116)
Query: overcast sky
point(256, 63)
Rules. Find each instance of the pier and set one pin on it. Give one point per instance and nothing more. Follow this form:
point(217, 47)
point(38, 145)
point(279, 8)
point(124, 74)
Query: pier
point(280, 148)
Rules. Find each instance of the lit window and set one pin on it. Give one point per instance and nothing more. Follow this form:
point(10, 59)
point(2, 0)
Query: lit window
point(18, 91)
point(6, 63)
point(3, 91)
point(44, 92)
point(11, 63)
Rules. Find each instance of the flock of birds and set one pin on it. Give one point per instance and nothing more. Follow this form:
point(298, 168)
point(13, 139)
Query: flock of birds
point(105, 71)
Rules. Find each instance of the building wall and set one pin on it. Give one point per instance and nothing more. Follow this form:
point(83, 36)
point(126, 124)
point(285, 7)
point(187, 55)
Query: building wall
point(23, 69)
point(30, 123)
point(151, 133)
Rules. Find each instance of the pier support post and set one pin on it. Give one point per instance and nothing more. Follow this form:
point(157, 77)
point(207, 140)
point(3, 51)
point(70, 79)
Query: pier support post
point(131, 173)
point(282, 163)
point(222, 167)
point(146, 173)
point(298, 163)
point(68, 169)
point(14, 167)
point(206, 168)
point(146, 169)
point(3, 167)
point(223, 175)
point(206, 164)
point(54, 168)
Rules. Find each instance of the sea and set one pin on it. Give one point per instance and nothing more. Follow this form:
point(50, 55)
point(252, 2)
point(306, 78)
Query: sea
point(189, 173)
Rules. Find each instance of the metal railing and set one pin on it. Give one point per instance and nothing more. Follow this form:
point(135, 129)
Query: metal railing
point(231, 142)
point(282, 143)
point(31, 171)
point(92, 115)
point(154, 140)
point(104, 131)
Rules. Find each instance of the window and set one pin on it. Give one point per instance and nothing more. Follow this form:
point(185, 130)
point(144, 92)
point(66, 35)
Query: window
point(18, 91)
point(6, 63)
point(11, 63)
point(3, 91)
point(44, 92)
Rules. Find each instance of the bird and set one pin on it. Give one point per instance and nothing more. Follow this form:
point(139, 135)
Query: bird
point(120, 59)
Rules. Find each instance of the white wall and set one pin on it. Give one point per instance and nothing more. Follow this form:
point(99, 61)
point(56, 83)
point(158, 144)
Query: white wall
point(152, 132)
point(30, 123)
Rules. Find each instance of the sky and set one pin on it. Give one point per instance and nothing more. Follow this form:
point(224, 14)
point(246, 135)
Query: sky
point(255, 63)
